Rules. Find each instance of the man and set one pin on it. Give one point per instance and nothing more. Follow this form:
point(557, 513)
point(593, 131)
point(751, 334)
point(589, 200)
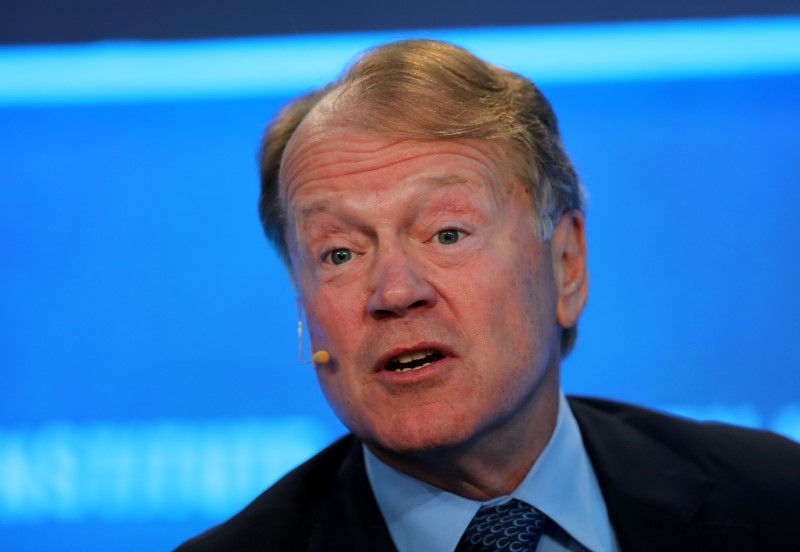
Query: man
point(434, 229)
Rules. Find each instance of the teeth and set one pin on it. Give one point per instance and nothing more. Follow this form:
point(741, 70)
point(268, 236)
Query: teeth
point(410, 357)
point(413, 368)
point(414, 360)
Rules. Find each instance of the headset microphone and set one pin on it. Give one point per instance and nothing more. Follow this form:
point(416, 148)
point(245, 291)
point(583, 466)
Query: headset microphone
point(320, 357)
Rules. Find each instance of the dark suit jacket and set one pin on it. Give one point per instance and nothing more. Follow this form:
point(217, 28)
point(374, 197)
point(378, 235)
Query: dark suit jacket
point(669, 484)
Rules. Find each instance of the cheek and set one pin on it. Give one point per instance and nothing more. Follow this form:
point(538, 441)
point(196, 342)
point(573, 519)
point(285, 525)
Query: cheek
point(334, 319)
point(322, 322)
point(518, 307)
point(330, 328)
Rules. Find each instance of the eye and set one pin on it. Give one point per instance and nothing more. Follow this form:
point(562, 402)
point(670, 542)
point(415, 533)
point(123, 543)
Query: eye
point(338, 256)
point(448, 236)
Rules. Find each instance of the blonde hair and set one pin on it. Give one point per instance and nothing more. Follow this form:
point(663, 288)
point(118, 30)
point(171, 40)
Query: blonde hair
point(427, 89)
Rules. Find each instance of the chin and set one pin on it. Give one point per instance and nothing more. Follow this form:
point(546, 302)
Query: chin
point(420, 431)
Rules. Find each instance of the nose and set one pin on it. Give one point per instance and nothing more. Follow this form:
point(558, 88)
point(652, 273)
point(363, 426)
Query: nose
point(398, 286)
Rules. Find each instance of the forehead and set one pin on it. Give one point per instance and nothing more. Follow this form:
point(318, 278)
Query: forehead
point(328, 147)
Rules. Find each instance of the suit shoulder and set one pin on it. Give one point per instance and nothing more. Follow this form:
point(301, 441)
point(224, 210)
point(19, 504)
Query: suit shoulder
point(282, 514)
point(670, 426)
point(745, 454)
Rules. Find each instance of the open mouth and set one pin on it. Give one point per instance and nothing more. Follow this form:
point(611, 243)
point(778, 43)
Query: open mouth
point(413, 360)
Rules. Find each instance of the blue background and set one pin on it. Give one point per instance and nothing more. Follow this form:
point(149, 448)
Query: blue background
point(149, 333)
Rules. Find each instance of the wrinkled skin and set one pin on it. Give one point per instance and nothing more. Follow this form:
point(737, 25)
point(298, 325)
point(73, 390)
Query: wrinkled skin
point(402, 246)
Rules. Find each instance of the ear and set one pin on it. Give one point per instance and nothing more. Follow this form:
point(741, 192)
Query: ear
point(568, 247)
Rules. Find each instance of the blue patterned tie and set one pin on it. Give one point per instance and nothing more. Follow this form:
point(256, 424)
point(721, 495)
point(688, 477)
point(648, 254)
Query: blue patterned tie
point(513, 526)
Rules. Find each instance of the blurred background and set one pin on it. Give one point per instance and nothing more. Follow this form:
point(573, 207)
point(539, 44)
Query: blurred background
point(148, 332)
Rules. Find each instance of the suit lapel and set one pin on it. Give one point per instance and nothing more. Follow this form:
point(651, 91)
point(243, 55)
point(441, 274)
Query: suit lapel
point(349, 518)
point(652, 493)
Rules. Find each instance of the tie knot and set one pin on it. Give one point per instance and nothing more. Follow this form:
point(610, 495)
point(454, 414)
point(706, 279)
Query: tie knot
point(513, 526)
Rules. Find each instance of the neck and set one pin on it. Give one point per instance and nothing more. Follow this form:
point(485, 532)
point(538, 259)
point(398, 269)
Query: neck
point(491, 464)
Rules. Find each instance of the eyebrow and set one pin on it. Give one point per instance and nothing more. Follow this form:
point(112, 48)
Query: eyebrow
point(448, 180)
point(314, 207)
point(321, 205)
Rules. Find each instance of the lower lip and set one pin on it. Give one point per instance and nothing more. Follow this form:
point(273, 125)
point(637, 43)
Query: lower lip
point(417, 375)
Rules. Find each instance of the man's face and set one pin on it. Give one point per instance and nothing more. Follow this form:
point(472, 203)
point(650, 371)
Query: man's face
point(422, 274)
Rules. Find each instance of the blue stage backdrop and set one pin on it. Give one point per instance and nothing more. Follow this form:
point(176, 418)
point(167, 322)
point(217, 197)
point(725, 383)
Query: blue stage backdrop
point(149, 333)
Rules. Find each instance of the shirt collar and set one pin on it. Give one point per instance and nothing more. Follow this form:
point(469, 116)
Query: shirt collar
point(561, 484)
